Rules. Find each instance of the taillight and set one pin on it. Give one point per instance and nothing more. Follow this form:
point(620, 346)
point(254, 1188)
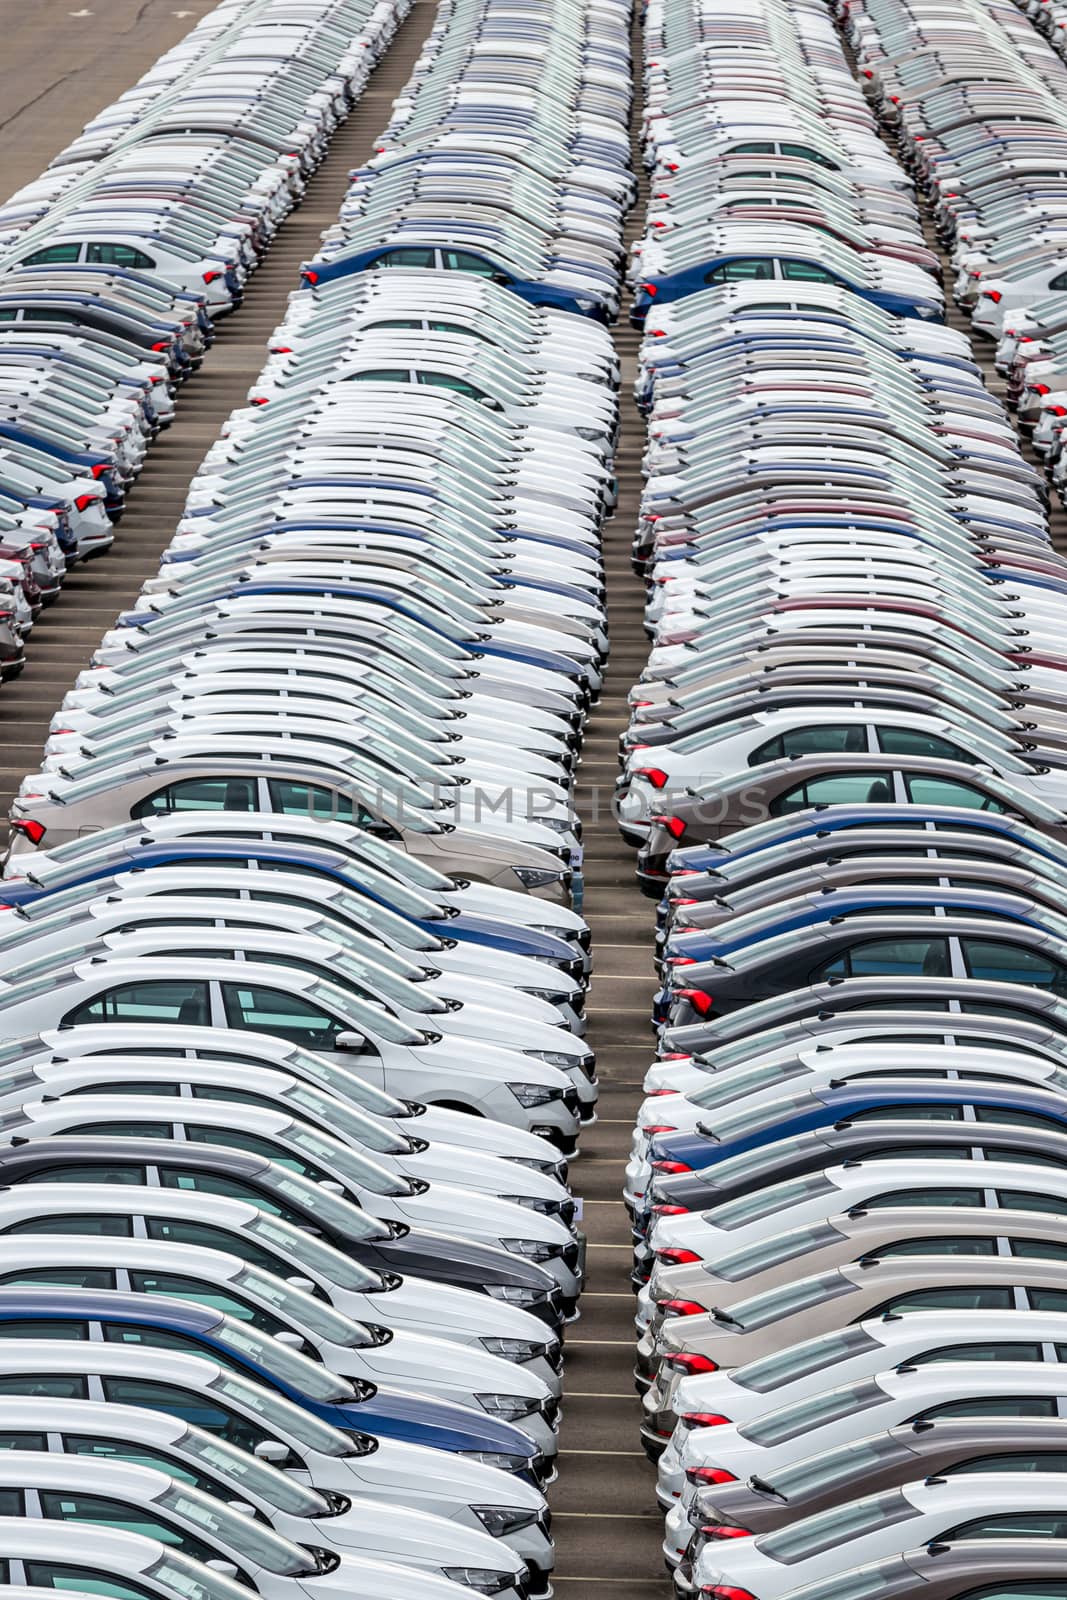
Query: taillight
point(671, 1168)
point(659, 1127)
point(1057, 411)
point(1039, 388)
point(704, 1419)
point(655, 776)
point(650, 289)
point(677, 1257)
point(98, 468)
point(680, 1308)
point(674, 825)
point(310, 277)
point(992, 294)
point(33, 831)
point(685, 1361)
point(670, 1211)
point(84, 501)
point(720, 1530)
point(209, 277)
point(724, 1591)
point(703, 1476)
point(698, 999)
point(161, 345)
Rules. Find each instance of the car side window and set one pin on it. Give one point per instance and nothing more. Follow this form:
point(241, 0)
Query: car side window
point(1007, 963)
point(740, 271)
point(946, 1245)
point(104, 253)
point(129, 1453)
point(178, 1286)
point(809, 741)
point(234, 1139)
point(176, 1230)
point(59, 1278)
point(993, 1405)
point(1039, 1461)
point(467, 261)
point(199, 794)
point(896, 1198)
point(805, 153)
point(836, 789)
point(46, 1385)
point(423, 259)
point(1022, 1200)
point(258, 1009)
point(1004, 1350)
point(979, 1297)
point(93, 1227)
point(53, 254)
point(806, 272)
point(1013, 1525)
point(102, 1511)
point(897, 958)
point(930, 791)
point(202, 1410)
point(176, 1000)
point(1059, 282)
point(82, 1580)
point(913, 742)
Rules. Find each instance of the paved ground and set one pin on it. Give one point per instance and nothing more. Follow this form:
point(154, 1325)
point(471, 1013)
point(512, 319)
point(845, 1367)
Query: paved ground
point(56, 71)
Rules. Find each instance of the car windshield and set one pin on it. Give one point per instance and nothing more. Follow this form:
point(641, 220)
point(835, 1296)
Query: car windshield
point(798, 1360)
point(243, 1535)
point(811, 1535)
point(282, 1415)
point(189, 1579)
point(248, 1475)
point(764, 1202)
point(816, 1411)
point(285, 1365)
point(366, 1016)
point(316, 1315)
point(313, 1255)
point(332, 1153)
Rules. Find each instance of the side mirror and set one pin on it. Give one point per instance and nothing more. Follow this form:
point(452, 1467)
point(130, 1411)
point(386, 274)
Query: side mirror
point(302, 1283)
point(350, 1040)
point(293, 1340)
point(227, 1568)
point(242, 1507)
point(491, 403)
point(332, 1186)
point(272, 1450)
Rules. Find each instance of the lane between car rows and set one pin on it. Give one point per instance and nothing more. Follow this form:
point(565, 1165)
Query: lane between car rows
point(92, 595)
point(604, 1518)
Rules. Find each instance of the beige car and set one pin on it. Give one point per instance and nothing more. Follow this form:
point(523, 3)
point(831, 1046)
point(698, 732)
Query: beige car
point(806, 1306)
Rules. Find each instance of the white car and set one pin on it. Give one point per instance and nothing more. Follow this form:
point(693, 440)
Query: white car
point(936, 1510)
point(103, 1432)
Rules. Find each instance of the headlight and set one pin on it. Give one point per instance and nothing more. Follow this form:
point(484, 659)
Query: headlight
point(553, 1058)
point(533, 1249)
point(519, 1350)
point(534, 1094)
point(590, 434)
point(484, 1579)
point(499, 1459)
point(502, 1520)
point(538, 877)
point(929, 313)
point(509, 1406)
point(515, 1296)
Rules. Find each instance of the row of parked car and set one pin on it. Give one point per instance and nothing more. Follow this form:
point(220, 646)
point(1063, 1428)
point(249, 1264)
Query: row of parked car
point(845, 778)
point(975, 101)
point(294, 970)
point(116, 261)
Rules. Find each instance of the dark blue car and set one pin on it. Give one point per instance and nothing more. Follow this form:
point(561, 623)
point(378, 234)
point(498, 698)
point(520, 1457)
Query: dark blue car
point(197, 1330)
point(427, 257)
point(809, 1109)
point(748, 265)
point(131, 854)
